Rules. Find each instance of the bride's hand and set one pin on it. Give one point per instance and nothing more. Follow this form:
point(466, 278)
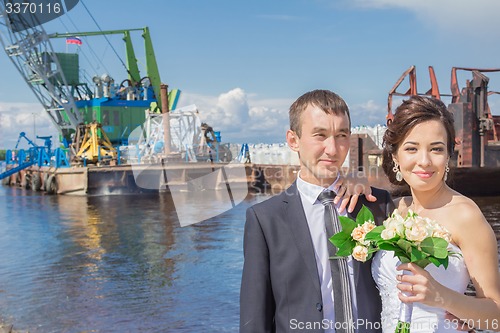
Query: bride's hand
point(420, 287)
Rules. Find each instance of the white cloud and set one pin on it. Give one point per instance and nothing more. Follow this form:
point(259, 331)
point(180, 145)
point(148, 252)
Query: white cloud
point(368, 113)
point(451, 16)
point(242, 118)
point(268, 121)
point(269, 118)
point(23, 117)
point(231, 109)
point(246, 118)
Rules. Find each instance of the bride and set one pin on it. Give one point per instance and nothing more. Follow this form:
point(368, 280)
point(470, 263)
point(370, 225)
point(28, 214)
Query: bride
point(417, 148)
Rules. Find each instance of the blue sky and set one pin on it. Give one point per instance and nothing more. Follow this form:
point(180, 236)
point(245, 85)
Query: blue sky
point(244, 63)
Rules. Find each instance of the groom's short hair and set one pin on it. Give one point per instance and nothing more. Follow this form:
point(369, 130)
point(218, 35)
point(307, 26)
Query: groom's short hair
point(326, 100)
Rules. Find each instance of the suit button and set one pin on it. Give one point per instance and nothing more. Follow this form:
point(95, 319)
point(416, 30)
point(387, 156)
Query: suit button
point(319, 306)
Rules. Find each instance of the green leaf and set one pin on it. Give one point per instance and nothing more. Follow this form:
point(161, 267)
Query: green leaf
point(422, 262)
point(405, 246)
point(445, 262)
point(346, 248)
point(417, 255)
point(435, 246)
point(343, 243)
point(388, 246)
point(375, 234)
point(438, 262)
point(347, 224)
point(364, 215)
point(396, 249)
point(403, 258)
point(339, 239)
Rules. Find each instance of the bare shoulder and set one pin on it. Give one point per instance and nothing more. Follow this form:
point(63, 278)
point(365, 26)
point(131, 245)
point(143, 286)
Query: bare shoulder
point(464, 210)
point(466, 219)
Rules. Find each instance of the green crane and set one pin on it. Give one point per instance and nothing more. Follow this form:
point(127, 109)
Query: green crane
point(132, 68)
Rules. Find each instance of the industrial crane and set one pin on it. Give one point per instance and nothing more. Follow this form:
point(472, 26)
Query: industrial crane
point(28, 47)
point(54, 79)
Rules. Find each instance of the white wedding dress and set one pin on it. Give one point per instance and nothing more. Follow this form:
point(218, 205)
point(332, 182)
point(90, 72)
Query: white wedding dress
point(424, 318)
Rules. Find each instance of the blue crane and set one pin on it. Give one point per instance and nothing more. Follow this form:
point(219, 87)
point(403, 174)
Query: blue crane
point(37, 154)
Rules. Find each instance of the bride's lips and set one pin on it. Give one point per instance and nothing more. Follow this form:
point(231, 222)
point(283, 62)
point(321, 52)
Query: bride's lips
point(423, 174)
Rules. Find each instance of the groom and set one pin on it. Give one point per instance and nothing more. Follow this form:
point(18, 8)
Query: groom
point(287, 284)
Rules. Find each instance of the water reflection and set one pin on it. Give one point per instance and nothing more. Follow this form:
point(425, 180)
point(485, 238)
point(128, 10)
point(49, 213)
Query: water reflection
point(117, 264)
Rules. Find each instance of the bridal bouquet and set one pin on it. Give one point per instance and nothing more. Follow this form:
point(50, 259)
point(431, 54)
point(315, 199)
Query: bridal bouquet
point(412, 238)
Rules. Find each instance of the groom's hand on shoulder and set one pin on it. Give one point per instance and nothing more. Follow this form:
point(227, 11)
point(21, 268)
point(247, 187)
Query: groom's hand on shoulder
point(349, 188)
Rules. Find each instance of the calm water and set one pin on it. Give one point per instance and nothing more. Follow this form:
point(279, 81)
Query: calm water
point(117, 264)
point(122, 264)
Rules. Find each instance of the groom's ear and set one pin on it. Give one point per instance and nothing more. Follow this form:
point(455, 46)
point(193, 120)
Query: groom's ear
point(293, 140)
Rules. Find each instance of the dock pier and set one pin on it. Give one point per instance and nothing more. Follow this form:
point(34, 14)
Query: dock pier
point(150, 178)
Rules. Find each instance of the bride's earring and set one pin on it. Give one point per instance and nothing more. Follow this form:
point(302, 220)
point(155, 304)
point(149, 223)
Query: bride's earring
point(399, 175)
point(446, 170)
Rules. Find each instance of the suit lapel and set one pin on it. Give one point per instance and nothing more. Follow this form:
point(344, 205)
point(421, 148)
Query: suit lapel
point(294, 213)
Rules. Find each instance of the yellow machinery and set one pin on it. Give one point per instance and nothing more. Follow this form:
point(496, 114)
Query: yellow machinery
point(93, 145)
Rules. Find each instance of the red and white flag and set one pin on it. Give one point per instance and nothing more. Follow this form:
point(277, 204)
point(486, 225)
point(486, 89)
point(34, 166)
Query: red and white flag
point(73, 40)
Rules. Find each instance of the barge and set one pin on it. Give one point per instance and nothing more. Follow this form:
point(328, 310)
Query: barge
point(153, 178)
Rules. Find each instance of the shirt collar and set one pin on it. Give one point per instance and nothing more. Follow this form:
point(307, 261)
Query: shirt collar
point(311, 191)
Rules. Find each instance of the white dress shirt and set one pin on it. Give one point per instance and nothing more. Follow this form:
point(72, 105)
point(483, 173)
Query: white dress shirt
point(314, 211)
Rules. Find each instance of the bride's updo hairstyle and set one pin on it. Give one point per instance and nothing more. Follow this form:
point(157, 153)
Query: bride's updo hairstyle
point(411, 112)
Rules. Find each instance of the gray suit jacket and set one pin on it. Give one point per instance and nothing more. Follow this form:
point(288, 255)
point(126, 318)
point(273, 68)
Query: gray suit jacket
point(280, 288)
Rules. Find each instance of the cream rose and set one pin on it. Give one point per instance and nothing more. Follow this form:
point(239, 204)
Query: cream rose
point(395, 223)
point(368, 226)
point(388, 233)
point(441, 232)
point(360, 253)
point(418, 231)
point(358, 234)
